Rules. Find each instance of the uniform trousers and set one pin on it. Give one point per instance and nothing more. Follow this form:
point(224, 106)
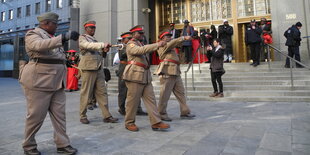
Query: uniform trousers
point(255, 52)
point(135, 92)
point(170, 84)
point(38, 104)
point(122, 94)
point(93, 83)
point(293, 51)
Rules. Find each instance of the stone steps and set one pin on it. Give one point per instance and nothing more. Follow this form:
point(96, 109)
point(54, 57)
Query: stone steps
point(242, 82)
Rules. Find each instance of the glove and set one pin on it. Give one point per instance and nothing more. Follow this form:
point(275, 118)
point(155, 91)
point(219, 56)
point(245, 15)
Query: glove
point(70, 35)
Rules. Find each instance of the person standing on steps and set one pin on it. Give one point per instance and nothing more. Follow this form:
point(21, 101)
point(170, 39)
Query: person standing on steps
point(216, 54)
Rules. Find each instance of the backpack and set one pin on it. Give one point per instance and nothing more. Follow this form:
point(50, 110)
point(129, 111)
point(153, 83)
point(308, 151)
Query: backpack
point(288, 33)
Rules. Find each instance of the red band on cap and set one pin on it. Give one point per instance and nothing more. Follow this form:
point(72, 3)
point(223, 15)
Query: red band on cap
point(88, 25)
point(163, 34)
point(136, 29)
point(126, 35)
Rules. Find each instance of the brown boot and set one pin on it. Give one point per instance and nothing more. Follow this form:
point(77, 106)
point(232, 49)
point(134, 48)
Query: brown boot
point(160, 126)
point(110, 120)
point(84, 121)
point(220, 95)
point(213, 94)
point(132, 127)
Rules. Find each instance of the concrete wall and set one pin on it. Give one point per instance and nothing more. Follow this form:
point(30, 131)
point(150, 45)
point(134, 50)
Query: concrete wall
point(113, 17)
point(284, 14)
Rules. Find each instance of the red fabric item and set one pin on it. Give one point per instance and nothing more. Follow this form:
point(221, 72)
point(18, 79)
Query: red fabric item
point(196, 45)
point(155, 59)
point(177, 50)
point(72, 81)
point(267, 38)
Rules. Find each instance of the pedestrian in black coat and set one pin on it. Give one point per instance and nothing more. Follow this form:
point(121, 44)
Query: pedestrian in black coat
point(216, 54)
point(253, 38)
point(293, 39)
point(225, 33)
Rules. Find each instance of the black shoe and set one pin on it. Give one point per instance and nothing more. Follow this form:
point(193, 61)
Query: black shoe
point(188, 116)
point(32, 152)
point(255, 65)
point(141, 113)
point(67, 150)
point(122, 112)
point(252, 63)
point(90, 107)
point(286, 66)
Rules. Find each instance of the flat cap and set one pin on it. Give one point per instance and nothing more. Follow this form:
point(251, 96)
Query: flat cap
point(137, 28)
point(50, 16)
point(90, 23)
point(164, 33)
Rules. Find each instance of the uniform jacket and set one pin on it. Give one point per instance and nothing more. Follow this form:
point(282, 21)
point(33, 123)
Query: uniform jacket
point(138, 53)
point(122, 57)
point(175, 33)
point(188, 31)
point(91, 53)
point(40, 76)
point(225, 33)
point(253, 35)
point(168, 52)
point(217, 58)
point(292, 36)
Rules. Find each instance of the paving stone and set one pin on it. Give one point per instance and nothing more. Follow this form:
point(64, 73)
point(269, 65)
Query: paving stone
point(276, 142)
point(261, 151)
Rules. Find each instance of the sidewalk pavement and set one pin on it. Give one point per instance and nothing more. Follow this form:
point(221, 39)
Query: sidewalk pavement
point(220, 128)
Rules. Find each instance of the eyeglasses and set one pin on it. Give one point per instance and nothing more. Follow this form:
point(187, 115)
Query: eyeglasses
point(141, 32)
point(92, 27)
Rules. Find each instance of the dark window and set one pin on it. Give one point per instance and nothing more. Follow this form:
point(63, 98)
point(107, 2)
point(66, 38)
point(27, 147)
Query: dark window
point(2, 16)
point(19, 12)
point(11, 14)
point(28, 10)
point(48, 5)
point(38, 8)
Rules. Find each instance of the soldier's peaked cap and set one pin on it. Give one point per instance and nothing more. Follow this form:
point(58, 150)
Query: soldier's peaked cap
point(49, 16)
point(137, 28)
point(126, 35)
point(90, 23)
point(164, 33)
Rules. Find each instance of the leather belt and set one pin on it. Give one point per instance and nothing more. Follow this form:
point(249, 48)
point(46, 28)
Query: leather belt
point(173, 61)
point(139, 64)
point(123, 62)
point(48, 61)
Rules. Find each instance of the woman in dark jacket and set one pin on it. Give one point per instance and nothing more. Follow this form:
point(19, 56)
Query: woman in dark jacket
point(216, 54)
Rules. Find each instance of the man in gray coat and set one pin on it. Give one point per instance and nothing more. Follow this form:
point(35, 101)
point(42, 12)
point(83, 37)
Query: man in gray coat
point(42, 80)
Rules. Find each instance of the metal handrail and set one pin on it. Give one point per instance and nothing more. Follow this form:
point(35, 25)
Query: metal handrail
point(190, 65)
point(287, 56)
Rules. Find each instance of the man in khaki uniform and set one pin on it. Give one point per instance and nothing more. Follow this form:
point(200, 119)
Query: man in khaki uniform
point(42, 80)
point(122, 89)
point(138, 80)
point(169, 76)
point(93, 81)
